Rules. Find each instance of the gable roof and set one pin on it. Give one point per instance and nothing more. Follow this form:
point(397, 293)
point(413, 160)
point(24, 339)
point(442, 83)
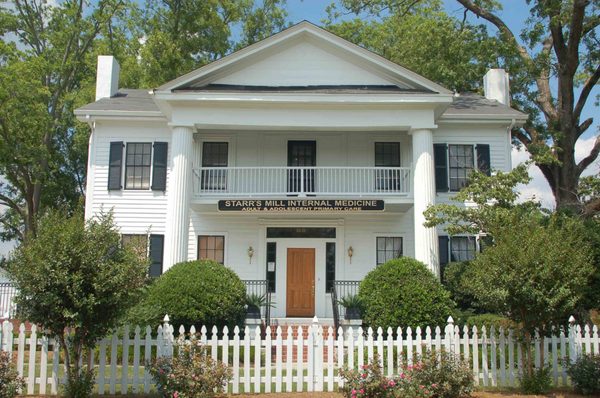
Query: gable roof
point(378, 66)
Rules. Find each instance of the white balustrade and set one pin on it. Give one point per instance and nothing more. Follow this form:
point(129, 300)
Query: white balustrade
point(302, 181)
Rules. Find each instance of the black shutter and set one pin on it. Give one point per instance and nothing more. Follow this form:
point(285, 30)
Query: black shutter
point(156, 255)
point(159, 167)
point(440, 158)
point(444, 257)
point(115, 164)
point(483, 158)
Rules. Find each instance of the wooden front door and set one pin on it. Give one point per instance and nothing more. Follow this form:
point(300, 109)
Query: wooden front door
point(300, 296)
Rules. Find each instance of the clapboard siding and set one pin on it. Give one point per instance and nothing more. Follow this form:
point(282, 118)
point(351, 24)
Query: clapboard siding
point(134, 211)
point(303, 64)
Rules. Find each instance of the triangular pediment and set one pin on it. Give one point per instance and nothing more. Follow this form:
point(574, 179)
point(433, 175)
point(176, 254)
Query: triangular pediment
point(303, 56)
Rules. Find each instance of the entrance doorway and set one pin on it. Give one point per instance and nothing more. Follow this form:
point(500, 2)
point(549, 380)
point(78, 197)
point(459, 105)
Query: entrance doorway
point(300, 287)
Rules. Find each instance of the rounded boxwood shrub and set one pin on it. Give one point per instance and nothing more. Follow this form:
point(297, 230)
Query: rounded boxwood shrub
point(403, 292)
point(193, 293)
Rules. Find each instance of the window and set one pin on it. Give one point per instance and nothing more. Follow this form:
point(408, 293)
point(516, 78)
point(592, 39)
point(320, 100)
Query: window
point(138, 163)
point(137, 241)
point(329, 266)
point(149, 247)
point(211, 248)
point(214, 155)
point(454, 163)
point(387, 155)
point(271, 264)
point(461, 161)
point(388, 248)
point(462, 248)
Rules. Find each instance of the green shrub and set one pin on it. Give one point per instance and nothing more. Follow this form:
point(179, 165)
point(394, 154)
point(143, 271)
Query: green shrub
point(193, 293)
point(585, 374)
point(539, 382)
point(489, 320)
point(403, 292)
point(191, 374)
point(10, 382)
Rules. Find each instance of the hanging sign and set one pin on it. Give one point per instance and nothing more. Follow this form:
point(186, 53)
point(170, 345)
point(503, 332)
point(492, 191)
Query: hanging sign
point(301, 205)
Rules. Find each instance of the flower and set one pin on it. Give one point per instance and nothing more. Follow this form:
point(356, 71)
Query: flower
point(362, 391)
point(175, 394)
point(391, 383)
point(364, 375)
point(365, 366)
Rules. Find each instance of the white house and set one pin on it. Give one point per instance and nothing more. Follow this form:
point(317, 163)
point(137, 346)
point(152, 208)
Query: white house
point(300, 160)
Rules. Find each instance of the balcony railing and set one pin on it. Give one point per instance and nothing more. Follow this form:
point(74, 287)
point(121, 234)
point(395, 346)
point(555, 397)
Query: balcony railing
point(301, 181)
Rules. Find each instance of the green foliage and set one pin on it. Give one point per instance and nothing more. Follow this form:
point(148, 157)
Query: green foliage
point(47, 70)
point(585, 374)
point(190, 374)
point(489, 320)
point(463, 52)
point(10, 382)
point(75, 281)
point(537, 382)
point(446, 375)
point(403, 292)
point(80, 384)
point(182, 36)
point(456, 279)
point(351, 301)
point(194, 293)
point(535, 271)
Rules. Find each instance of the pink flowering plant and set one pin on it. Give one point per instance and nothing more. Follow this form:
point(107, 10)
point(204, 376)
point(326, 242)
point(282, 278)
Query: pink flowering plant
point(433, 375)
point(190, 373)
point(366, 382)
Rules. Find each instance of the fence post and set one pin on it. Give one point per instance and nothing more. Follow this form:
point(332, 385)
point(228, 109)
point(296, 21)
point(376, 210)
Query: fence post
point(167, 331)
point(573, 350)
point(449, 334)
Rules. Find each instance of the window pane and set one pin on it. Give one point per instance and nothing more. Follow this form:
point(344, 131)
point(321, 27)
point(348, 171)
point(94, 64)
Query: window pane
point(271, 258)
point(461, 163)
point(211, 248)
point(137, 165)
point(329, 266)
point(388, 248)
point(462, 248)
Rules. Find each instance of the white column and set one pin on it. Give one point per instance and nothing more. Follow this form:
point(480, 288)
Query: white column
point(179, 191)
point(426, 241)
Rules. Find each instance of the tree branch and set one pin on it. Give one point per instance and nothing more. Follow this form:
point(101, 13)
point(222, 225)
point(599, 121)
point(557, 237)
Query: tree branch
point(593, 155)
point(585, 92)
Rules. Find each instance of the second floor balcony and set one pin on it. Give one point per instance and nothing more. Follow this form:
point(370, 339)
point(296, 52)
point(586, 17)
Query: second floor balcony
point(215, 182)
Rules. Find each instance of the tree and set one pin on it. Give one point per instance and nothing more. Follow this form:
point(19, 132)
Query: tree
point(442, 48)
point(180, 36)
point(46, 60)
point(75, 280)
point(558, 46)
point(536, 267)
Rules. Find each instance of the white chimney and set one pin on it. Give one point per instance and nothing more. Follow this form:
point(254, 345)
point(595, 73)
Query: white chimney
point(496, 86)
point(107, 77)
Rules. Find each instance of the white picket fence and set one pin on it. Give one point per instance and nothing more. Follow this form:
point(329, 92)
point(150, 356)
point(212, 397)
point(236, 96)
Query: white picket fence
point(262, 363)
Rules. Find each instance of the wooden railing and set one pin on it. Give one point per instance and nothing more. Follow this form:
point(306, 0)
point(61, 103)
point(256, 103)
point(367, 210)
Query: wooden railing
point(302, 181)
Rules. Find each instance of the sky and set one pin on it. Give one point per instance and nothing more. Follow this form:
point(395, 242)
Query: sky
point(513, 15)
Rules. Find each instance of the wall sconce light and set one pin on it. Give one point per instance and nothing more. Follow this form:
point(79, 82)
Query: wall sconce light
point(350, 253)
point(250, 254)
